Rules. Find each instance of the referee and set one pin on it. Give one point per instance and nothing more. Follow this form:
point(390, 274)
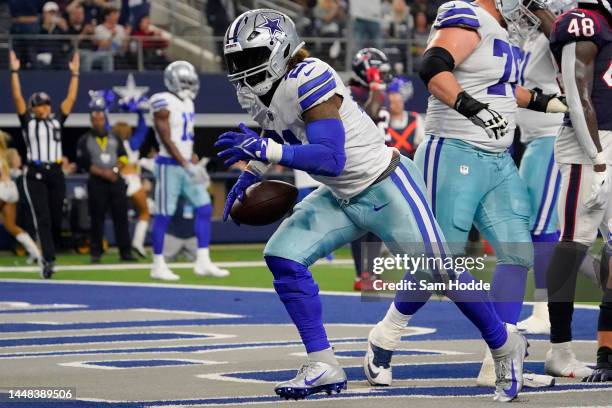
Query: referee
point(43, 180)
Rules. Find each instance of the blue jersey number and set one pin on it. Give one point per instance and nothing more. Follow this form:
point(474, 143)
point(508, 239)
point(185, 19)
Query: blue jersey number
point(298, 68)
point(188, 120)
point(513, 56)
point(288, 137)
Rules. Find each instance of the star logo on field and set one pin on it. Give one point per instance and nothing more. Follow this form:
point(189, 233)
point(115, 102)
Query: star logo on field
point(272, 25)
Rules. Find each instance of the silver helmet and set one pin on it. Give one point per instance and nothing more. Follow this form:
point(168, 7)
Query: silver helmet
point(522, 23)
point(181, 79)
point(258, 47)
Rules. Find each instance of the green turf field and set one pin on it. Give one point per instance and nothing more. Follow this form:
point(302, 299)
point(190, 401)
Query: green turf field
point(337, 276)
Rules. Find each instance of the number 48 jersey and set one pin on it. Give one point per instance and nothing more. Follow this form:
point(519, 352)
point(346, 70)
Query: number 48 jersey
point(181, 120)
point(489, 74)
point(580, 25)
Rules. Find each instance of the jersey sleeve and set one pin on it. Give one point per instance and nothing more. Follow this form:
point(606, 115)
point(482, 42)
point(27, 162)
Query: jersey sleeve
point(457, 14)
point(315, 83)
point(159, 102)
point(576, 26)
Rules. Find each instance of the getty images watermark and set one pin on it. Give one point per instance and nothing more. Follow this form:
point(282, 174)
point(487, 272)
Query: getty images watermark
point(430, 266)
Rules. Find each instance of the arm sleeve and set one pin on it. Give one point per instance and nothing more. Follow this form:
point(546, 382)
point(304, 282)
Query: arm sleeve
point(61, 117)
point(23, 120)
point(457, 14)
point(140, 133)
point(324, 155)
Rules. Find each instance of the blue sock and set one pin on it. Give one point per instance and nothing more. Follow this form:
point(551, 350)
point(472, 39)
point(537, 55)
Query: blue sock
point(408, 302)
point(202, 225)
point(508, 291)
point(543, 248)
point(160, 225)
point(477, 307)
point(300, 295)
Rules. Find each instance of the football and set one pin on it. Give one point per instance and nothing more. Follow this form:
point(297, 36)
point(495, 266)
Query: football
point(264, 203)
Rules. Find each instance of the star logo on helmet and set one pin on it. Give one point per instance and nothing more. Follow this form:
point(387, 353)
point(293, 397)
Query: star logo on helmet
point(272, 25)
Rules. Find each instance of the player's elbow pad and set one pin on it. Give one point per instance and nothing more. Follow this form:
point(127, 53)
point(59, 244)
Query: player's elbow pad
point(324, 155)
point(435, 61)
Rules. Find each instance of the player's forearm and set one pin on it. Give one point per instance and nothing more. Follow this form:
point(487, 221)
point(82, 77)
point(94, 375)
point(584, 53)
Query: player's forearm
point(373, 104)
point(173, 151)
point(20, 105)
point(577, 78)
point(547, 18)
point(523, 97)
point(445, 88)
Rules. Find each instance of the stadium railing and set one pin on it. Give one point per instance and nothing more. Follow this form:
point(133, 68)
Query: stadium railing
point(153, 53)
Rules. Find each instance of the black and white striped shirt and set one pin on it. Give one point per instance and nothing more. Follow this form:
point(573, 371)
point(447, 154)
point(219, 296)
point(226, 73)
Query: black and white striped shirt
point(43, 137)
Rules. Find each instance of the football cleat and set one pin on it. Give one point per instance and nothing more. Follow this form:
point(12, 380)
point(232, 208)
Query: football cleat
point(140, 250)
point(377, 365)
point(209, 269)
point(486, 377)
point(162, 272)
point(599, 375)
point(509, 369)
point(563, 363)
point(312, 378)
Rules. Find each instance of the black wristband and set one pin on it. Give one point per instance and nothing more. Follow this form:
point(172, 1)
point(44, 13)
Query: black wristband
point(468, 106)
point(539, 100)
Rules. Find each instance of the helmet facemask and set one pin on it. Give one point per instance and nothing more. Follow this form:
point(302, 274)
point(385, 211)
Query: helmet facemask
point(526, 25)
point(258, 52)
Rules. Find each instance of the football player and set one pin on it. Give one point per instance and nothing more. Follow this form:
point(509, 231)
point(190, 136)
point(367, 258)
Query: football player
point(175, 174)
point(368, 82)
point(471, 69)
point(311, 123)
point(581, 42)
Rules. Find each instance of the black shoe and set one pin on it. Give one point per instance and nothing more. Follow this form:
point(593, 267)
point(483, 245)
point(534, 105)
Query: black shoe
point(95, 259)
point(128, 258)
point(47, 270)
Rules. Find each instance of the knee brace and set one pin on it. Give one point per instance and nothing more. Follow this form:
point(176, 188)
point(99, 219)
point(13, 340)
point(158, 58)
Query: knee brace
point(292, 280)
point(605, 314)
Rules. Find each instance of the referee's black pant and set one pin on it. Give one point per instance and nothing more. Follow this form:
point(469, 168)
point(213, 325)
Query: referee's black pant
point(102, 195)
point(45, 189)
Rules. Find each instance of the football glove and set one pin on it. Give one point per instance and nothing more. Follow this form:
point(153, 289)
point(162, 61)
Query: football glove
point(541, 102)
point(600, 190)
point(197, 173)
point(494, 124)
point(245, 180)
point(246, 145)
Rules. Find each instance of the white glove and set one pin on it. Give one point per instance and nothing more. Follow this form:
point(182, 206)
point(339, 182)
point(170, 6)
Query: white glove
point(600, 190)
point(197, 173)
point(492, 122)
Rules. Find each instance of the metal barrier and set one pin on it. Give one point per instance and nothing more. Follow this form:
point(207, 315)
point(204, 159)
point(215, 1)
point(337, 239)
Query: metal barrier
point(153, 53)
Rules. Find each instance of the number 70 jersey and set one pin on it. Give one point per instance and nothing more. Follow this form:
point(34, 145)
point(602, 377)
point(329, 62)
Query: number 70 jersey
point(181, 120)
point(489, 74)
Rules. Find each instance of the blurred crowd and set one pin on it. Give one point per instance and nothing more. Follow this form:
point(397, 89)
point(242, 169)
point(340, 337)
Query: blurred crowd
point(109, 34)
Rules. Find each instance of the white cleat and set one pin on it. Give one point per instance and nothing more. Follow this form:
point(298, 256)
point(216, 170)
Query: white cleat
point(162, 272)
point(209, 269)
point(563, 363)
point(509, 370)
point(379, 373)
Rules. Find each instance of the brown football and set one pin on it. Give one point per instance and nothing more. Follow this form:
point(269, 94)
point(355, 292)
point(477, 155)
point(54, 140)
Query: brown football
point(264, 203)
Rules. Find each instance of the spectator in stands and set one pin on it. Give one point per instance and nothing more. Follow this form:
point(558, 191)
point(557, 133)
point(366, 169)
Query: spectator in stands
point(398, 22)
point(51, 52)
point(111, 39)
point(420, 34)
point(329, 17)
point(83, 32)
point(9, 197)
point(24, 15)
point(94, 9)
point(151, 41)
point(219, 14)
point(365, 18)
point(136, 9)
point(102, 154)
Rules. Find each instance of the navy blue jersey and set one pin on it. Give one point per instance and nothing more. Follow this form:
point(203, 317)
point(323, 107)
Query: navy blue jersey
point(579, 25)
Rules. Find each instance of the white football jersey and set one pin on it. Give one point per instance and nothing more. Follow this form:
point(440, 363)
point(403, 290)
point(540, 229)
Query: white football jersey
point(489, 75)
point(182, 118)
point(538, 70)
point(308, 84)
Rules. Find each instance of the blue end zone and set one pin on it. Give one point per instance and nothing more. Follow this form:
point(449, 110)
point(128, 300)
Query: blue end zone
point(139, 363)
point(256, 307)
